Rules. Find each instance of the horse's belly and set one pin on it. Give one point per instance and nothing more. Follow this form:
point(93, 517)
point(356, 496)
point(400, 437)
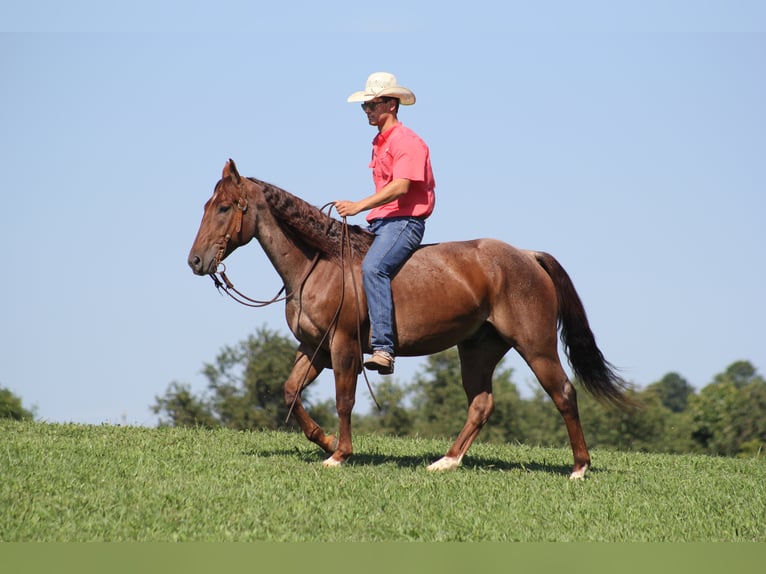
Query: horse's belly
point(434, 325)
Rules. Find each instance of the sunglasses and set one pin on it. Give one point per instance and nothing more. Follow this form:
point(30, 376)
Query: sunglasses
point(369, 106)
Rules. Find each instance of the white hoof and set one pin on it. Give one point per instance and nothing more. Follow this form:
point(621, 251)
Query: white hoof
point(578, 474)
point(445, 463)
point(331, 463)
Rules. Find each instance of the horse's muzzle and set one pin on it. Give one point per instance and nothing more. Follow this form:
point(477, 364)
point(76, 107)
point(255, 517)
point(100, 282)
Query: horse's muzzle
point(196, 264)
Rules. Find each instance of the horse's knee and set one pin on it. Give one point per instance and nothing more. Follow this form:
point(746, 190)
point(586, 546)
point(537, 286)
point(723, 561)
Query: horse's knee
point(291, 394)
point(481, 408)
point(344, 405)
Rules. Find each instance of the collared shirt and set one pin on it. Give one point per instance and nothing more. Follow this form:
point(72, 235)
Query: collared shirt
point(399, 153)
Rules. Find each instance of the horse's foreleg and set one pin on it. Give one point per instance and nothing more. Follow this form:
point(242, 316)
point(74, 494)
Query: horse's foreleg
point(346, 366)
point(304, 372)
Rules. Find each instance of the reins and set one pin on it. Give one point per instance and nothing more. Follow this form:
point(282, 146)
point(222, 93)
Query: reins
point(345, 235)
point(345, 243)
point(224, 284)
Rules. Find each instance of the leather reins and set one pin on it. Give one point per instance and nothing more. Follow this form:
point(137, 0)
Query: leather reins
point(223, 283)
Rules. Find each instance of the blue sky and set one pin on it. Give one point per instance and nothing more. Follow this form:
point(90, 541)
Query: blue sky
point(628, 139)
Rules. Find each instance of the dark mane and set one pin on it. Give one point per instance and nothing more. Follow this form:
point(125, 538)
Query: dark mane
point(309, 225)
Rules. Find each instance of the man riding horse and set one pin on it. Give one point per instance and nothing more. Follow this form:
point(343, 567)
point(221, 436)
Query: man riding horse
point(403, 199)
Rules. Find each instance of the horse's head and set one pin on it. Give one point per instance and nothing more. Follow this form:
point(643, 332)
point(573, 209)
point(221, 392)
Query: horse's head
point(225, 225)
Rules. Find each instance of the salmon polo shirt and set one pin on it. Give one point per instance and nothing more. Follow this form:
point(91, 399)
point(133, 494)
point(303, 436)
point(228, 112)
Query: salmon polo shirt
point(399, 153)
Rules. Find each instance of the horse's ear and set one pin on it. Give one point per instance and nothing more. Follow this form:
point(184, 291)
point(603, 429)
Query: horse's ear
point(230, 169)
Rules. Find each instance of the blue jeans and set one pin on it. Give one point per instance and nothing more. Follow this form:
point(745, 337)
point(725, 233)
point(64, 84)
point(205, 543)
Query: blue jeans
point(395, 240)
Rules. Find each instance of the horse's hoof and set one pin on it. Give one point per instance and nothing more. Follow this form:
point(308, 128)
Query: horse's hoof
point(331, 463)
point(445, 463)
point(578, 474)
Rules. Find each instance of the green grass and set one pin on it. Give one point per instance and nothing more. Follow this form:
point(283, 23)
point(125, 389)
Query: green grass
point(106, 483)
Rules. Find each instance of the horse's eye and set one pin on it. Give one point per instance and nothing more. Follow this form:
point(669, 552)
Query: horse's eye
point(224, 208)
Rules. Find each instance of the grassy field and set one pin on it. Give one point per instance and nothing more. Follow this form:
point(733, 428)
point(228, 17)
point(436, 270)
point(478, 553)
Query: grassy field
point(106, 483)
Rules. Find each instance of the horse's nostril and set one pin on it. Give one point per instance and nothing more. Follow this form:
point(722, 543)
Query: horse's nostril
point(195, 262)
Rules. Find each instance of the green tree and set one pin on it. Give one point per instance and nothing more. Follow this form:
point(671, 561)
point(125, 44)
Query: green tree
point(540, 422)
point(245, 387)
point(754, 426)
point(651, 427)
point(740, 374)
point(179, 407)
point(11, 407)
point(715, 413)
point(246, 381)
point(673, 391)
point(438, 398)
point(393, 417)
point(727, 416)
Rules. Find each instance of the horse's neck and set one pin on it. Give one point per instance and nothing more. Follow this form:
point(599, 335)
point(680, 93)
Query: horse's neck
point(289, 260)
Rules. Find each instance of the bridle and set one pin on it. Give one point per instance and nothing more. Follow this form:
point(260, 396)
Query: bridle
point(223, 283)
point(238, 217)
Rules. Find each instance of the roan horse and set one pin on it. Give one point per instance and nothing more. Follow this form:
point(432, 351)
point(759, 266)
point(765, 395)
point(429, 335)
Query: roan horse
point(484, 296)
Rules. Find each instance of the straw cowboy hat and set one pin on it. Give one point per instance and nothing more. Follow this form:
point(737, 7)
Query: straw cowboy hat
point(382, 84)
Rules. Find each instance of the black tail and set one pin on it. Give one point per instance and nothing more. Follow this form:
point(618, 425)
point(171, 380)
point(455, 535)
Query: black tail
point(589, 365)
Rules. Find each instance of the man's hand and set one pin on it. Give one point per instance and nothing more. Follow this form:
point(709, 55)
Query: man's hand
point(347, 208)
point(394, 189)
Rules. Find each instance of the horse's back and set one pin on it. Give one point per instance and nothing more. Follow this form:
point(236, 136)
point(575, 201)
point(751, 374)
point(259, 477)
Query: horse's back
point(449, 290)
point(472, 257)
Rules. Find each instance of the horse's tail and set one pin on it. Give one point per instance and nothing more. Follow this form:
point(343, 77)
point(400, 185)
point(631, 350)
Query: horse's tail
point(588, 363)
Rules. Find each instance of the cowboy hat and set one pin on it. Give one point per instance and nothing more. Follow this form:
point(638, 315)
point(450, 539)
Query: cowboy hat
point(382, 84)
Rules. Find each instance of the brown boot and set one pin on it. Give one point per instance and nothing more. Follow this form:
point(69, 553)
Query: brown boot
point(382, 362)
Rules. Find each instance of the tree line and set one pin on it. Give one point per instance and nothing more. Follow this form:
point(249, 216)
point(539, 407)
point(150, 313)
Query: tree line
point(726, 417)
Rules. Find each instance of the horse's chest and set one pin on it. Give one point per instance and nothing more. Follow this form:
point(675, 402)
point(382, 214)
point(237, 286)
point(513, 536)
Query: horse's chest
point(307, 320)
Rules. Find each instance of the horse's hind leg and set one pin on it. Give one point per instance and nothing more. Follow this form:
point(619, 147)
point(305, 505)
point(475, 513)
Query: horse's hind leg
point(304, 372)
point(478, 359)
point(554, 380)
